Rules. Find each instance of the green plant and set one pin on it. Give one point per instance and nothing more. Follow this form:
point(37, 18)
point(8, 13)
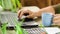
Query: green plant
point(0, 2)
point(18, 28)
point(25, 32)
point(42, 26)
point(11, 5)
point(14, 5)
point(18, 4)
point(3, 28)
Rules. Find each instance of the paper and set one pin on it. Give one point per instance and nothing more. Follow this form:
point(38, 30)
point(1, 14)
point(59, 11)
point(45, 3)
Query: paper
point(52, 30)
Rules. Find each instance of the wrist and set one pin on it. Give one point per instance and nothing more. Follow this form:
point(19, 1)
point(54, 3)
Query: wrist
point(38, 14)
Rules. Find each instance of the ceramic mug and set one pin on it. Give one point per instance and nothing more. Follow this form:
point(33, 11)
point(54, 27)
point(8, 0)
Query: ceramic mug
point(47, 19)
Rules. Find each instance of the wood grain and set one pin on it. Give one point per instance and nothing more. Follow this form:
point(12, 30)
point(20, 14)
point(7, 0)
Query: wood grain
point(39, 3)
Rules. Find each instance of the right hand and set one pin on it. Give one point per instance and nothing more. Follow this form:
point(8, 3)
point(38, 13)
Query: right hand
point(24, 11)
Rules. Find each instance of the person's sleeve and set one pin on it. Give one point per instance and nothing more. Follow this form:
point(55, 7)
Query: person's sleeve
point(57, 8)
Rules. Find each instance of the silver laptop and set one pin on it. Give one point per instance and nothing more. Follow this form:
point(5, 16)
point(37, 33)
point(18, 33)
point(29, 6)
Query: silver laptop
point(29, 24)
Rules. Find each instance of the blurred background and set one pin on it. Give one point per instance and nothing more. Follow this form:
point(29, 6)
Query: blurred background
point(39, 3)
point(14, 5)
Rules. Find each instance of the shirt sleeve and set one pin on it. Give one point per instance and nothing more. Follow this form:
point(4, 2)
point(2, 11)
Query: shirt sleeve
point(57, 8)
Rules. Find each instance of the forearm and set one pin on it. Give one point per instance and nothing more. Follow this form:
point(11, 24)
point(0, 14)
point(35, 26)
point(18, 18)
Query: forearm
point(48, 9)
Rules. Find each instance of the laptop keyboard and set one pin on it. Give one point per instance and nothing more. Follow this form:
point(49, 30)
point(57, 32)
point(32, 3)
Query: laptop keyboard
point(8, 17)
point(34, 30)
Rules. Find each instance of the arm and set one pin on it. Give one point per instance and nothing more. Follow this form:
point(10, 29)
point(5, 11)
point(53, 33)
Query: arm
point(50, 9)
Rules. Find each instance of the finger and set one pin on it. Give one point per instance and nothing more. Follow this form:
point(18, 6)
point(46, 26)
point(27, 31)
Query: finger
point(19, 12)
point(26, 13)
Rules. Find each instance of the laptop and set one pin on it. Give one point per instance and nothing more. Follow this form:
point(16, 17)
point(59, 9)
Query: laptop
point(29, 24)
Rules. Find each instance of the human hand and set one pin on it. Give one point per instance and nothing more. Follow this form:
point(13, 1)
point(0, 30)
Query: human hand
point(29, 12)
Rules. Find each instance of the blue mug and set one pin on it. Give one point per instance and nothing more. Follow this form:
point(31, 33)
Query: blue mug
point(47, 19)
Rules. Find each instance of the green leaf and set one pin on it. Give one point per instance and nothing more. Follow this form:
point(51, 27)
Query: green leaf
point(11, 5)
point(42, 26)
point(14, 5)
point(3, 4)
point(18, 3)
point(3, 28)
point(18, 28)
point(0, 2)
point(25, 32)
